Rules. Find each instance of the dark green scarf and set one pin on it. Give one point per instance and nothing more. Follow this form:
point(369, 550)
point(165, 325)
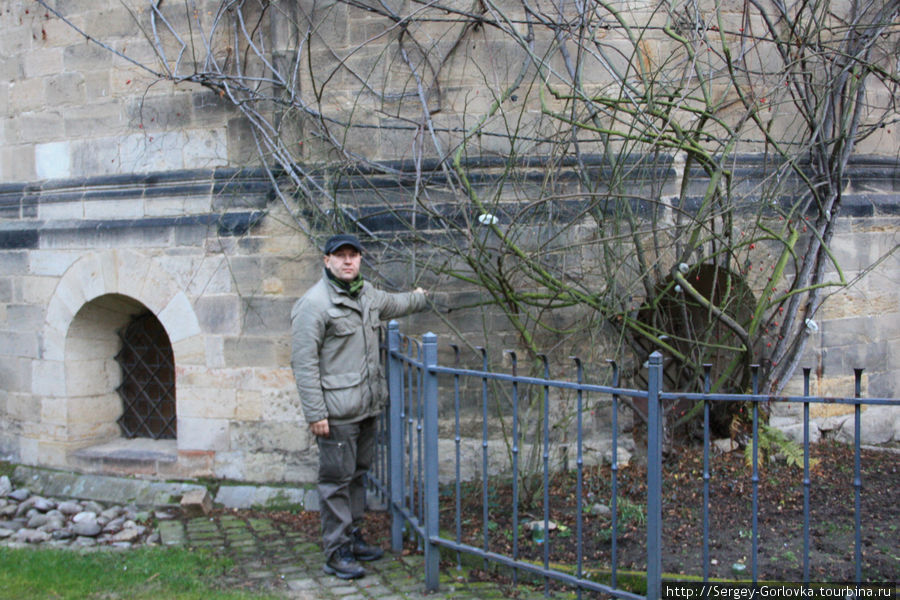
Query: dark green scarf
point(351, 287)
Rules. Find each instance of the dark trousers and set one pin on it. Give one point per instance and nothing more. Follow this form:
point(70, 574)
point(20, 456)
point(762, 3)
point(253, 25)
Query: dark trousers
point(344, 459)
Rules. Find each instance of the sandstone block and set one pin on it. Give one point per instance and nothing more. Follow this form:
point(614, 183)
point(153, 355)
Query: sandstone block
point(190, 351)
point(215, 351)
point(116, 23)
point(212, 403)
point(201, 377)
point(16, 376)
point(248, 351)
point(210, 276)
point(267, 315)
point(281, 405)
point(92, 377)
point(249, 405)
point(196, 503)
point(146, 281)
point(196, 433)
point(86, 57)
point(36, 127)
point(16, 160)
point(219, 314)
point(14, 263)
point(179, 318)
point(63, 89)
point(51, 263)
point(264, 437)
point(98, 156)
point(26, 95)
point(158, 112)
point(52, 160)
point(21, 344)
point(24, 317)
point(43, 62)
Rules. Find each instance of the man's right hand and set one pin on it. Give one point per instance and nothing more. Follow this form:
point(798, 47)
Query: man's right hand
point(319, 428)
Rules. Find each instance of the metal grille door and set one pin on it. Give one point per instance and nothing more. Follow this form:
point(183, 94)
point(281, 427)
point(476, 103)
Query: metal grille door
point(148, 380)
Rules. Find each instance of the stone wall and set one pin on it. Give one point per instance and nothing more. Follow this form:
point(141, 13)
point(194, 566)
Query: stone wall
point(221, 283)
point(74, 108)
point(220, 263)
point(120, 192)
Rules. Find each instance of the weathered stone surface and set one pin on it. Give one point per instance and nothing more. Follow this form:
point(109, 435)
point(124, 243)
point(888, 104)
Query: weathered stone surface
point(74, 112)
point(70, 508)
point(20, 494)
point(246, 496)
point(87, 527)
point(129, 535)
point(31, 536)
point(84, 516)
point(111, 513)
point(38, 520)
point(725, 445)
point(114, 526)
point(43, 504)
point(196, 502)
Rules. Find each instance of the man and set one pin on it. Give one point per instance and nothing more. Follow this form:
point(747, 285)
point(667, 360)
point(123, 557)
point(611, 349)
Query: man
point(336, 363)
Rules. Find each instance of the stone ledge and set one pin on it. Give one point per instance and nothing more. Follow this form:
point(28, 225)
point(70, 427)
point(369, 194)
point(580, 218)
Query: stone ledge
point(140, 456)
point(26, 234)
point(266, 497)
point(102, 488)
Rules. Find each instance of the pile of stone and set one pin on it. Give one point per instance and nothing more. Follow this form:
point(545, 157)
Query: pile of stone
point(27, 518)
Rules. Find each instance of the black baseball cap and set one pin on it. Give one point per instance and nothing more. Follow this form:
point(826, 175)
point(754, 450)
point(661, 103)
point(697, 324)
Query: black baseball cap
point(342, 239)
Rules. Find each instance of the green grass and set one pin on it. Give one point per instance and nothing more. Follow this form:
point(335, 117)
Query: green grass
point(140, 574)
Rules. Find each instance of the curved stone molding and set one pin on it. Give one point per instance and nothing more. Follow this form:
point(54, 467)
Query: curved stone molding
point(124, 272)
point(73, 413)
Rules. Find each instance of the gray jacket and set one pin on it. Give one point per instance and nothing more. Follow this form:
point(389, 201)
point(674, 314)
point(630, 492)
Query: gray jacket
point(335, 354)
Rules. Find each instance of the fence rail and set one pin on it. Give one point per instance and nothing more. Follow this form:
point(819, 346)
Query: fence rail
point(407, 472)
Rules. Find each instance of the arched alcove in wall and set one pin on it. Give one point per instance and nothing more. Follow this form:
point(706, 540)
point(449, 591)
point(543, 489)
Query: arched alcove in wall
point(96, 299)
point(92, 373)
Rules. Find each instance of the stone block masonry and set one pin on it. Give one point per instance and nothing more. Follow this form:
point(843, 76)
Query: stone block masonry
point(122, 194)
point(220, 269)
point(81, 259)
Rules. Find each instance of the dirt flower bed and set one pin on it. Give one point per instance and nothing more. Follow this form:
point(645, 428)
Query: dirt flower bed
point(780, 518)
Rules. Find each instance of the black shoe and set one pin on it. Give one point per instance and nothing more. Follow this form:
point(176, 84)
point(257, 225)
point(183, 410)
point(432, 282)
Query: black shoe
point(343, 565)
point(361, 550)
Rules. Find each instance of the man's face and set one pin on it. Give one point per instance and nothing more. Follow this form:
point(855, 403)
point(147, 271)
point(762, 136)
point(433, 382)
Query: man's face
point(344, 263)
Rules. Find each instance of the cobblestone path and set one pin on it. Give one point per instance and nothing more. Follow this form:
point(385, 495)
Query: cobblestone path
point(270, 556)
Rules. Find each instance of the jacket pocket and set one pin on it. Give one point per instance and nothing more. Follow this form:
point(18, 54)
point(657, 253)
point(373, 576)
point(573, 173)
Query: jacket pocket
point(343, 396)
point(342, 322)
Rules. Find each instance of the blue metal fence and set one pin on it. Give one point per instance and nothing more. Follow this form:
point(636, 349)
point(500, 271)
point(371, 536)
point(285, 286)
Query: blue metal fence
point(407, 472)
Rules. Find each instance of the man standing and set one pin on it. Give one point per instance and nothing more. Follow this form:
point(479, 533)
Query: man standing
point(336, 363)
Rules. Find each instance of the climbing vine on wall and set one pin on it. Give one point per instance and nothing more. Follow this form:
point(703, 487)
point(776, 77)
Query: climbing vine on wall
point(573, 163)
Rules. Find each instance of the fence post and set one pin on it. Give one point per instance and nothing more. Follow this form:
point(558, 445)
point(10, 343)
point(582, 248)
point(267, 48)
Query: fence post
point(395, 427)
point(654, 477)
point(432, 524)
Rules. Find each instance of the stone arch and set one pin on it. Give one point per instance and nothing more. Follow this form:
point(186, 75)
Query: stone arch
point(77, 373)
